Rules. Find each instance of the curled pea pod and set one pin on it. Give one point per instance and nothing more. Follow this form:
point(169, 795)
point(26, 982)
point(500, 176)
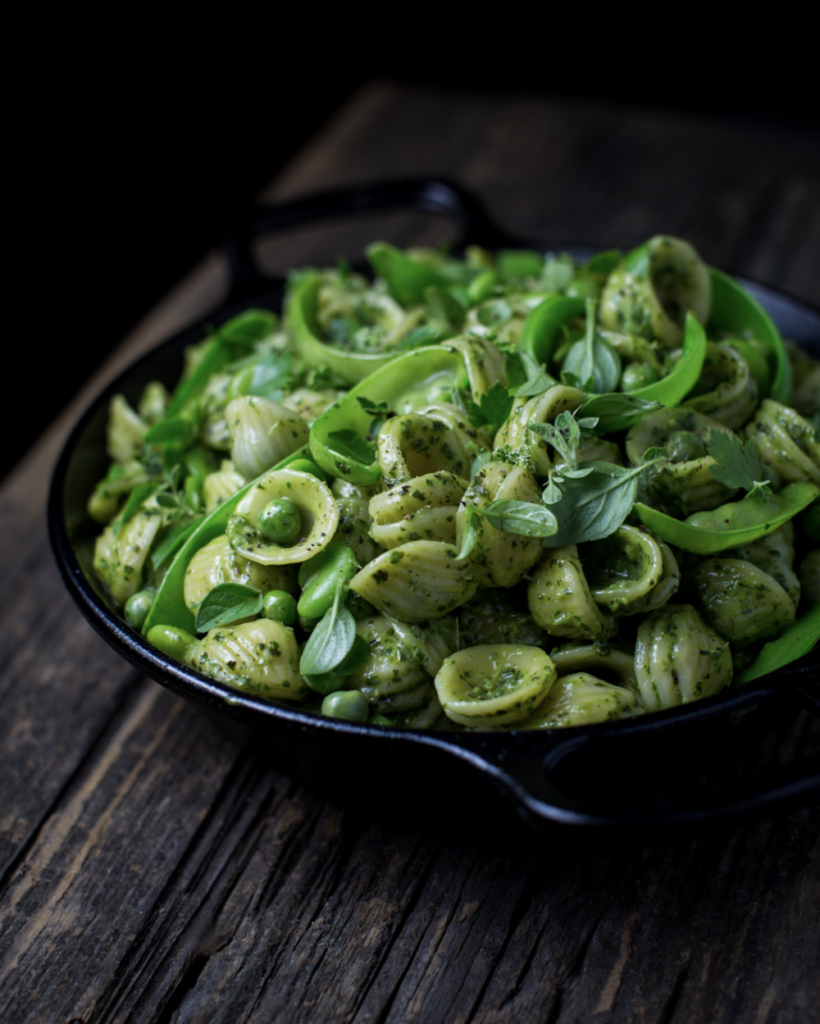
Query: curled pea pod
point(339, 439)
point(730, 525)
point(169, 607)
point(800, 638)
point(407, 280)
point(307, 339)
point(736, 312)
point(320, 577)
point(542, 334)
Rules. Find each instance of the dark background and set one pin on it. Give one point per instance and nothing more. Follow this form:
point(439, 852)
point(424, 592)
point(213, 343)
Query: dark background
point(138, 142)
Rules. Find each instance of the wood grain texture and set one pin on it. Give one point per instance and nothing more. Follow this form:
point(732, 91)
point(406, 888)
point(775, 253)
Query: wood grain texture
point(153, 871)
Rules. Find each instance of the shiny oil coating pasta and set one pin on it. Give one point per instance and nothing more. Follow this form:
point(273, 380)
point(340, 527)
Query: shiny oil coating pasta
point(467, 452)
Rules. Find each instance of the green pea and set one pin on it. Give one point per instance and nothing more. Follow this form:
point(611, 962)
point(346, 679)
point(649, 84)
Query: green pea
point(306, 466)
point(321, 575)
point(637, 375)
point(279, 606)
point(683, 446)
point(349, 705)
point(324, 683)
point(280, 521)
point(137, 607)
point(174, 642)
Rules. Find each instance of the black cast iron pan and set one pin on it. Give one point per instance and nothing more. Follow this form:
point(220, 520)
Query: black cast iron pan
point(676, 767)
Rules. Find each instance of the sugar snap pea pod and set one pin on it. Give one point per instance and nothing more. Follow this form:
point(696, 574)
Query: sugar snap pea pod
point(729, 525)
point(169, 607)
point(581, 699)
point(307, 340)
point(321, 575)
point(499, 558)
point(543, 329)
point(736, 312)
point(316, 506)
point(599, 659)
point(339, 437)
point(420, 509)
point(217, 562)
point(654, 287)
point(560, 601)
point(259, 657)
point(726, 390)
point(741, 601)
point(236, 336)
point(423, 579)
point(407, 279)
point(494, 686)
point(799, 639)
point(622, 569)
point(786, 442)
point(679, 659)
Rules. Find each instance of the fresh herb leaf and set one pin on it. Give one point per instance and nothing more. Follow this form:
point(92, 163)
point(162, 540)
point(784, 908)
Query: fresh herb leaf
point(271, 376)
point(332, 639)
point(472, 531)
point(739, 464)
point(523, 517)
point(564, 435)
point(552, 492)
point(374, 408)
point(140, 494)
point(492, 408)
point(614, 408)
point(227, 603)
point(592, 358)
point(351, 445)
point(595, 506)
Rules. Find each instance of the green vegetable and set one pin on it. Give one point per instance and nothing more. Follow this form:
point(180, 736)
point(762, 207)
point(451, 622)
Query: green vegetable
point(739, 464)
point(280, 521)
point(616, 412)
point(331, 641)
point(321, 576)
point(138, 606)
point(136, 499)
point(279, 606)
point(800, 638)
point(731, 525)
point(593, 362)
point(348, 705)
point(492, 408)
point(227, 603)
point(176, 643)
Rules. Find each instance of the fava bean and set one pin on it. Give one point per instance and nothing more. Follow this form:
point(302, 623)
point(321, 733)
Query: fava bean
point(321, 575)
point(349, 705)
point(176, 643)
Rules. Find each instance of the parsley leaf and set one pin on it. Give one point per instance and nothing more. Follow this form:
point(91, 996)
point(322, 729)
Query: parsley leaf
point(492, 408)
point(739, 464)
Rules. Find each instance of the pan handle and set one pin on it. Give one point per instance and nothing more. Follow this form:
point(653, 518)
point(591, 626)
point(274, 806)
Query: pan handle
point(597, 777)
point(432, 195)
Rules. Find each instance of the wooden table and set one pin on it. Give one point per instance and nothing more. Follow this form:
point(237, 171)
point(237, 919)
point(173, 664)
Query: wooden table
point(152, 871)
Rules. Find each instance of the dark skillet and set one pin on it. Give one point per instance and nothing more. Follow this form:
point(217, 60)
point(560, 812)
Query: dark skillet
point(670, 768)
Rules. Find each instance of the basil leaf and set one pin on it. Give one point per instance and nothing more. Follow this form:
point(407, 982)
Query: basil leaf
point(596, 505)
point(140, 493)
point(351, 445)
point(227, 603)
point(472, 531)
point(331, 641)
point(523, 517)
point(616, 411)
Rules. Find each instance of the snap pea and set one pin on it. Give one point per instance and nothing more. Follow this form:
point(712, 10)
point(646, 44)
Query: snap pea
point(800, 638)
point(320, 576)
point(542, 334)
point(407, 280)
point(730, 525)
point(307, 340)
point(169, 606)
point(735, 311)
point(309, 466)
point(408, 382)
